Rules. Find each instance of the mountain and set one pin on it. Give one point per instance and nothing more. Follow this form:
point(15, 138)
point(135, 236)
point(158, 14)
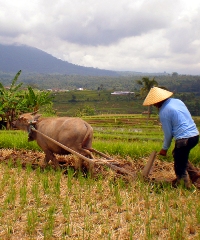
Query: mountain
point(32, 60)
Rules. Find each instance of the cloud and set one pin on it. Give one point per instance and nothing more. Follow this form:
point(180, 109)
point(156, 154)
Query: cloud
point(105, 22)
point(139, 35)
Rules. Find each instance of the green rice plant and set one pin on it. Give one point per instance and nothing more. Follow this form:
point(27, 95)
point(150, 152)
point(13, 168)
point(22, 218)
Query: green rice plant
point(81, 178)
point(117, 194)
point(198, 214)
point(11, 194)
point(32, 221)
point(23, 194)
point(126, 133)
point(9, 229)
point(66, 231)
point(87, 227)
point(45, 183)
point(195, 155)
point(148, 233)
point(90, 182)
point(36, 193)
point(16, 140)
point(1, 212)
point(78, 198)
point(49, 225)
point(66, 210)
point(29, 168)
point(99, 184)
point(131, 232)
point(175, 232)
point(122, 148)
point(56, 183)
point(19, 166)
point(5, 178)
point(70, 175)
point(38, 173)
point(10, 163)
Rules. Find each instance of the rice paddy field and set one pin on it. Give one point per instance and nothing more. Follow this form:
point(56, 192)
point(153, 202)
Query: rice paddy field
point(37, 203)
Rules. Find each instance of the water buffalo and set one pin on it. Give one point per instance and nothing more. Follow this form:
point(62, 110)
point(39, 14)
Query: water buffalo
point(74, 133)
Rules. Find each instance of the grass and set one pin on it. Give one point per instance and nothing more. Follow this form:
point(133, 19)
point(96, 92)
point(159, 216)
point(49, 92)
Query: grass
point(67, 103)
point(135, 136)
point(16, 140)
point(85, 208)
point(47, 204)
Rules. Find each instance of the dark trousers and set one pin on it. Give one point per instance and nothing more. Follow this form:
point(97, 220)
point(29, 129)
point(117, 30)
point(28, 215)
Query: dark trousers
point(181, 155)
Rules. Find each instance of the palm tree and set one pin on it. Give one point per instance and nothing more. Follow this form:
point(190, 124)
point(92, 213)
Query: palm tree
point(147, 84)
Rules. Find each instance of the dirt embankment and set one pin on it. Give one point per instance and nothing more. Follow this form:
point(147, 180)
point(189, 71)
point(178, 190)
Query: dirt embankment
point(161, 171)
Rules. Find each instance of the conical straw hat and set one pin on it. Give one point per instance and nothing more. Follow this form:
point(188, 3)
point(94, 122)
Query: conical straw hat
point(156, 95)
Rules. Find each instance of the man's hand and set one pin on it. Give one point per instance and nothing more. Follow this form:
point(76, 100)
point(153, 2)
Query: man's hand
point(163, 152)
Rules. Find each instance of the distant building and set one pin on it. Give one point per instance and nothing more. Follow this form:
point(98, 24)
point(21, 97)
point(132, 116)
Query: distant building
point(57, 90)
point(80, 89)
point(122, 93)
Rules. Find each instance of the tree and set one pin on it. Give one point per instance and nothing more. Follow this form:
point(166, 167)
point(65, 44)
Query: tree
point(174, 74)
point(9, 100)
point(146, 84)
point(85, 111)
point(14, 101)
point(34, 100)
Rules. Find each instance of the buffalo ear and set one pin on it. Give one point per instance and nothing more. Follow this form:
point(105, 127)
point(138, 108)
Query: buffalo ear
point(22, 118)
point(36, 117)
point(33, 113)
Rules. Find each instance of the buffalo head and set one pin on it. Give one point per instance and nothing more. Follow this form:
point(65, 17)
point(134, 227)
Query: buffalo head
point(25, 121)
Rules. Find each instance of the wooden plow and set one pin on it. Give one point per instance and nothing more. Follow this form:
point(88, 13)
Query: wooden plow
point(107, 161)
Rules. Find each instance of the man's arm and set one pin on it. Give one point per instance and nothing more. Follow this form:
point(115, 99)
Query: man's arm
point(167, 129)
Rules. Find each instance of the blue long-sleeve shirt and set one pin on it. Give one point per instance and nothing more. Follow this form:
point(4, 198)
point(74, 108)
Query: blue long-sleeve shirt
point(176, 121)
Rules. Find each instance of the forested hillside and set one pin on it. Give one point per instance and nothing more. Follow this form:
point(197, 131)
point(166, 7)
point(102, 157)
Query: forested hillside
point(43, 71)
point(97, 98)
point(177, 83)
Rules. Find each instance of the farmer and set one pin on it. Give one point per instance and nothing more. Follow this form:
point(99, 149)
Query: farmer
point(176, 123)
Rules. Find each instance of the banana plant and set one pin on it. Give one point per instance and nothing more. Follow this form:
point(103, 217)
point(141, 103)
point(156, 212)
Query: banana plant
point(14, 100)
point(34, 100)
point(9, 99)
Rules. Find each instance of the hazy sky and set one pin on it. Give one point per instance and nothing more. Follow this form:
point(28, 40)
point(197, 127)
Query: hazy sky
point(133, 35)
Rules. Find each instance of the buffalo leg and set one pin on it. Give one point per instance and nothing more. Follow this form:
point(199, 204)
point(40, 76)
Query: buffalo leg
point(79, 161)
point(194, 174)
point(78, 164)
point(50, 156)
point(91, 164)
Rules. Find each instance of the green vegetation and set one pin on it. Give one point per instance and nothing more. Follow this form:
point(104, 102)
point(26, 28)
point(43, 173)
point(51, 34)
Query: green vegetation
point(50, 204)
point(124, 135)
point(80, 103)
point(14, 100)
point(127, 81)
point(54, 205)
point(96, 97)
point(88, 102)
